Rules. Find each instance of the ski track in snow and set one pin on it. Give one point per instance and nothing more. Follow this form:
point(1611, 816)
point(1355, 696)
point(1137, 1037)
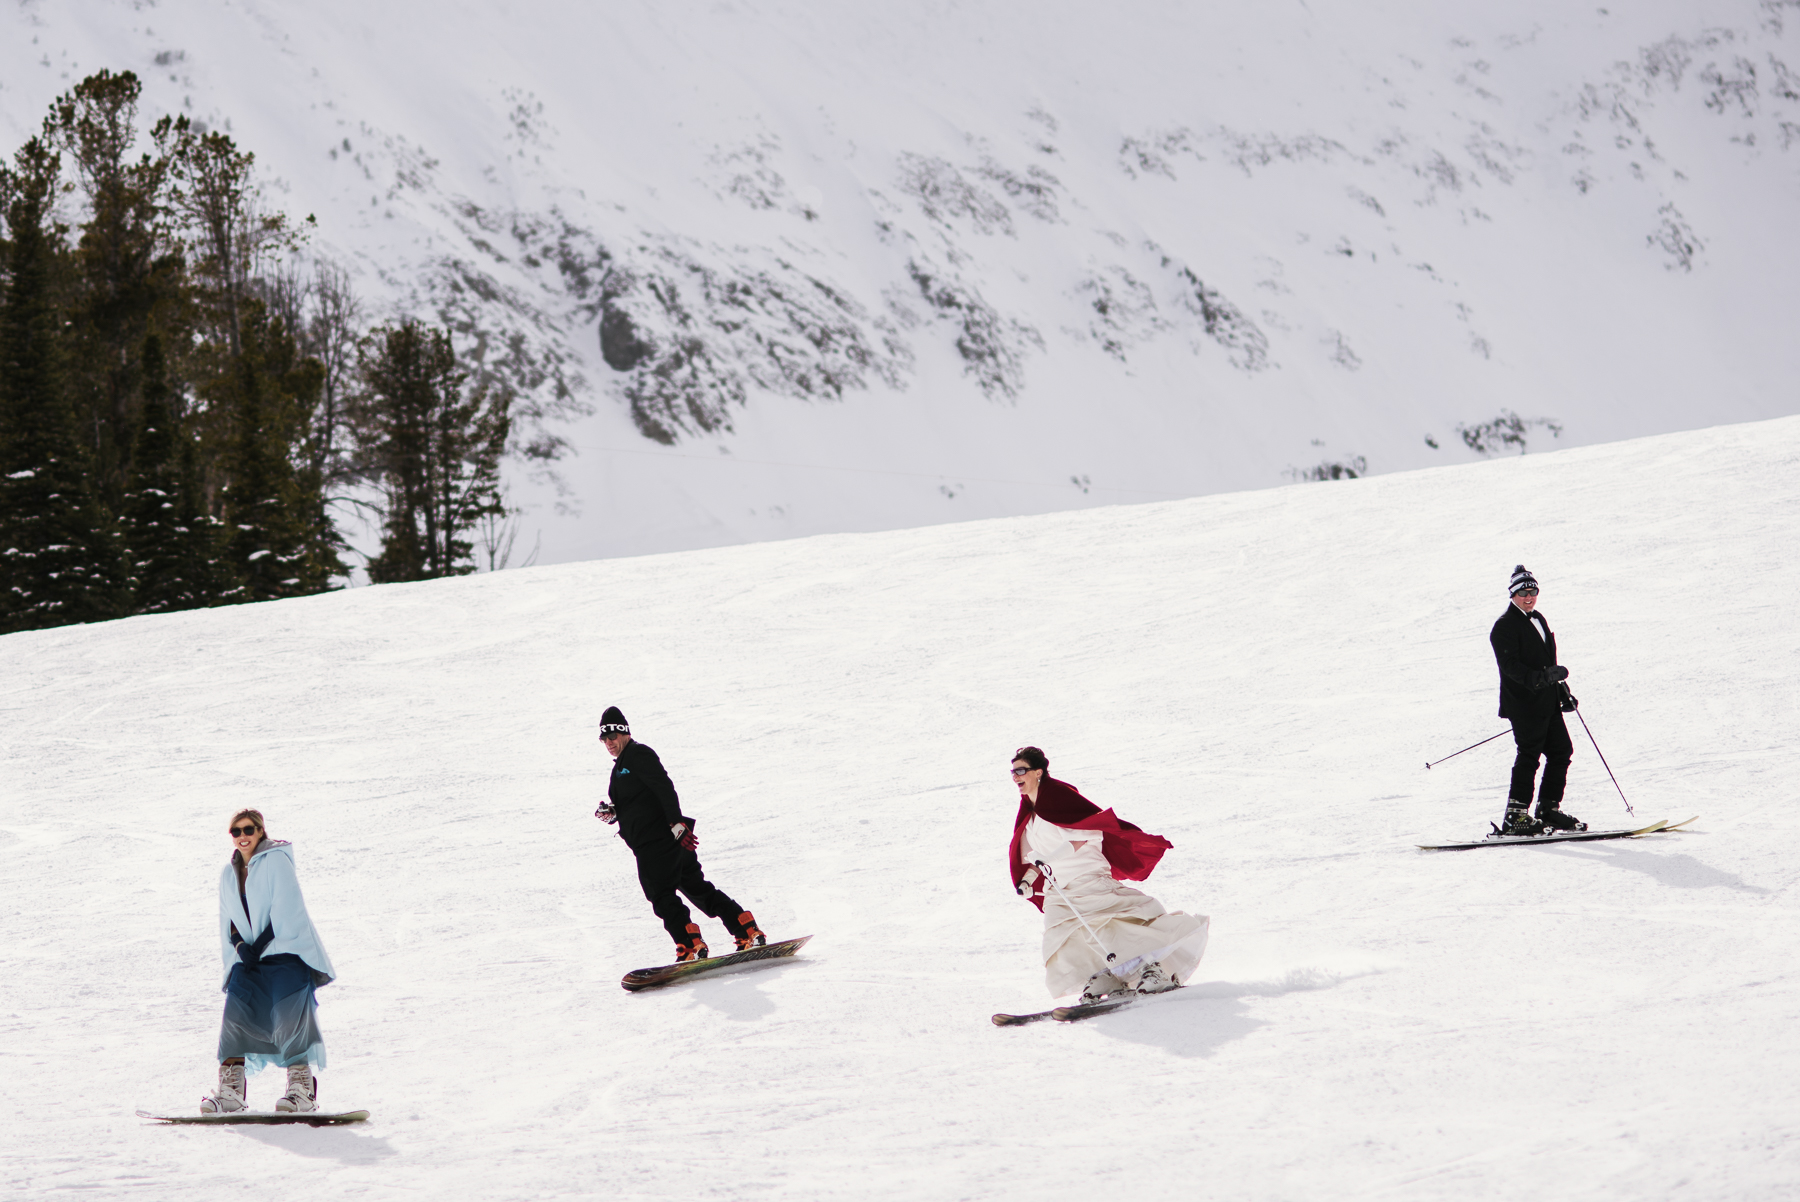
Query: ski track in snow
point(1260, 677)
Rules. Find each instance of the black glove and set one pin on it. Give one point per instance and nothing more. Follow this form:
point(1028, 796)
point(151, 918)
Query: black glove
point(251, 953)
point(1569, 704)
point(1558, 673)
point(607, 814)
point(684, 834)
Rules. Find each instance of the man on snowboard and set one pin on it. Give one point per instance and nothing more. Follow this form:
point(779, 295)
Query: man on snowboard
point(1534, 699)
point(641, 801)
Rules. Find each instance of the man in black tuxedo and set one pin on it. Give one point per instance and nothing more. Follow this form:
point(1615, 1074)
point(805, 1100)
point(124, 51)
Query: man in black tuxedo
point(641, 801)
point(1534, 699)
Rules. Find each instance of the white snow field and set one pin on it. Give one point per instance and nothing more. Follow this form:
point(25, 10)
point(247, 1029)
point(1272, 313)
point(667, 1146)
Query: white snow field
point(1260, 677)
point(873, 265)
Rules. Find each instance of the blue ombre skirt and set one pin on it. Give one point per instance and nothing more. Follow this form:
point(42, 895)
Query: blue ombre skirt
point(271, 1015)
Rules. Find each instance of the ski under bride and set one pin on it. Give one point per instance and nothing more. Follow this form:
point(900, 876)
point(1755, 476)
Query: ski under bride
point(1069, 857)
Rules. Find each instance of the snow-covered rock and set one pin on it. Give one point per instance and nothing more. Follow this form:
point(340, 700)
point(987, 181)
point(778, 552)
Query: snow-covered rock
point(763, 269)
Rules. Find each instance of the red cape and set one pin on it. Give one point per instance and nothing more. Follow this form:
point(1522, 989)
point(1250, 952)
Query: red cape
point(1132, 851)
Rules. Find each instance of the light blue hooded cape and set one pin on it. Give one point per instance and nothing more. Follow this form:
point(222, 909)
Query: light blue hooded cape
point(273, 891)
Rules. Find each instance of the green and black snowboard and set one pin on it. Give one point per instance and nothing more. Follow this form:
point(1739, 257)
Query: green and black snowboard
point(669, 974)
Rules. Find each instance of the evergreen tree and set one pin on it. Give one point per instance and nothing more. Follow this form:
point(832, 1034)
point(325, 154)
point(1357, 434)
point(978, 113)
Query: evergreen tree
point(216, 581)
point(175, 545)
point(60, 561)
point(333, 330)
point(273, 511)
point(435, 451)
point(127, 271)
point(212, 189)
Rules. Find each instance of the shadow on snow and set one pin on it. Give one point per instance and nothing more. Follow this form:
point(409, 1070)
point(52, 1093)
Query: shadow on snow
point(1679, 870)
point(1204, 1017)
point(322, 1143)
point(734, 992)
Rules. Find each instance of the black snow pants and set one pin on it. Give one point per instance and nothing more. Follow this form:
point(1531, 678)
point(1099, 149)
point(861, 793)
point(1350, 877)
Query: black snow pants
point(1547, 738)
point(667, 869)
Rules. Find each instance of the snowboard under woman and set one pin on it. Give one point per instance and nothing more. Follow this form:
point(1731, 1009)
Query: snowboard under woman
point(273, 963)
point(1100, 936)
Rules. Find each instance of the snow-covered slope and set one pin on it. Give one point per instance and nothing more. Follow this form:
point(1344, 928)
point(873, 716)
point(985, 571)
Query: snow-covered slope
point(868, 265)
point(1260, 677)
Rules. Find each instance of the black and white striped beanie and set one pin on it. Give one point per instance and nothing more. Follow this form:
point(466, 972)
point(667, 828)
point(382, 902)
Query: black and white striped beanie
point(1521, 580)
point(612, 722)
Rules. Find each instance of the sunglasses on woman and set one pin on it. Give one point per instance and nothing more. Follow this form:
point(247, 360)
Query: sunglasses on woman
point(242, 832)
point(1020, 771)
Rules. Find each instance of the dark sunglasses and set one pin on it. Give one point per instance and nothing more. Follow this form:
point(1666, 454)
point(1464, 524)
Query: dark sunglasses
point(240, 832)
point(1527, 592)
point(1020, 771)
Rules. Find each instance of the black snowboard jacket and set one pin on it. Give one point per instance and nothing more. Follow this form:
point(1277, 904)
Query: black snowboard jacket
point(644, 798)
point(1526, 692)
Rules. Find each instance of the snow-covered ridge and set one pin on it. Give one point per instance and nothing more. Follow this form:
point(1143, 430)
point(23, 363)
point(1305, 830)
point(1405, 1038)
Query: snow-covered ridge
point(1181, 252)
point(1259, 677)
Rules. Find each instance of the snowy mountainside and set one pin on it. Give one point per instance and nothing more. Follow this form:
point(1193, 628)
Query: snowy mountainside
point(1258, 676)
point(766, 269)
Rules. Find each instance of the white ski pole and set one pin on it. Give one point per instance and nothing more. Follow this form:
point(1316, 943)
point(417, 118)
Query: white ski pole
point(1051, 877)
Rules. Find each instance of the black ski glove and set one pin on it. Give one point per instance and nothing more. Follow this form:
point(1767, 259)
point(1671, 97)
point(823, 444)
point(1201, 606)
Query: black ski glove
point(1543, 678)
point(251, 953)
point(1569, 704)
point(684, 834)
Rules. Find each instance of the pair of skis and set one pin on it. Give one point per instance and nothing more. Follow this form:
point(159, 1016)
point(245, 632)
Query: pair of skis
point(1655, 828)
point(1074, 1014)
point(1106, 1005)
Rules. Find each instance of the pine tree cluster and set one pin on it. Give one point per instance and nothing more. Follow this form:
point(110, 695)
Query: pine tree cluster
point(181, 408)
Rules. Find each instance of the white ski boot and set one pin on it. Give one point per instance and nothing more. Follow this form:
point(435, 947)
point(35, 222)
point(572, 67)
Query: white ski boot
point(1103, 985)
point(229, 1097)
point(1157, 979)
point(302, 1094)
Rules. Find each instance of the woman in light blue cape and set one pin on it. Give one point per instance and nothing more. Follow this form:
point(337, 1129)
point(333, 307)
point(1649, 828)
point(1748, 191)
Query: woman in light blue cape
point(274, 961)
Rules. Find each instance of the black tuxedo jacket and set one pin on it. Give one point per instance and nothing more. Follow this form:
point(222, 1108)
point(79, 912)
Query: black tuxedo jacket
point(644, 797)
point(1522, 656)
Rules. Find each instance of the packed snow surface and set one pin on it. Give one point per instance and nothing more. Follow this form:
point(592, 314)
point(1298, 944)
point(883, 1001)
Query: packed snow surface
point(866, 265)
point(1260, 677)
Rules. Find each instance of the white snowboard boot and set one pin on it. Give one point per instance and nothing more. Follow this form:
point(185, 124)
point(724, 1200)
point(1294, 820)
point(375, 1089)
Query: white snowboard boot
point(302, 1094)
point(229, 1097)
point(1157, 979)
